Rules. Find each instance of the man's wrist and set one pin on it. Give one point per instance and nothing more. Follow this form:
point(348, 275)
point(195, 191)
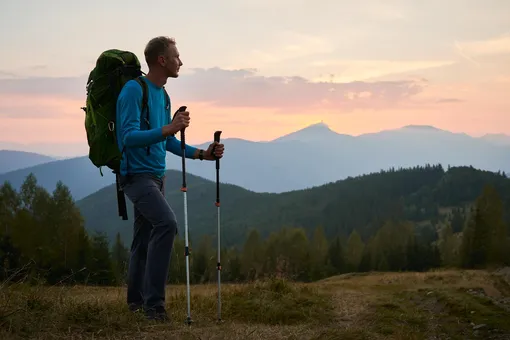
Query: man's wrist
point(199, 154)
point(167, 131)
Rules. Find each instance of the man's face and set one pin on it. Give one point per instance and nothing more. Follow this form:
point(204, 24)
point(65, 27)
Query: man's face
point(172, 62)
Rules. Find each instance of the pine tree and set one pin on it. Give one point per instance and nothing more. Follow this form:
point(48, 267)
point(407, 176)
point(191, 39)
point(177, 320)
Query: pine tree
point(252, 256)
point(354, 251)
point(10, 203)
point(485, 235)
point(447, 246)
point(457, 220)
point(296, 250)
point(232, 270)
point(336, 257)
point(101, 268)
point(203, 261)
point(319, 254)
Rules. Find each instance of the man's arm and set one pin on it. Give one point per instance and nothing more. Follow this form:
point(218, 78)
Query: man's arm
point(173, 145)
point(129, 105)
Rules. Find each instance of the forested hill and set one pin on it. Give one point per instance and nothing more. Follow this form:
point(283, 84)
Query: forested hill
point(423, 194)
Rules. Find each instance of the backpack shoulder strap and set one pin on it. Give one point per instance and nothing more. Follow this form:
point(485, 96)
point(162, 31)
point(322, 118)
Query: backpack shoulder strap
point(167, 104)
point(145, 100)
point(167, 101)
point(145, 106)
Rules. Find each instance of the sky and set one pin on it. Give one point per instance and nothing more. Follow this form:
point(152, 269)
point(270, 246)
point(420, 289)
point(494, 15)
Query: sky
point(261, 69)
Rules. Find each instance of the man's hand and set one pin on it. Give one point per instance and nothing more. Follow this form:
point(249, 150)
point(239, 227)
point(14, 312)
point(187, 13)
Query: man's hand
point(180, 121)
point(209, 154)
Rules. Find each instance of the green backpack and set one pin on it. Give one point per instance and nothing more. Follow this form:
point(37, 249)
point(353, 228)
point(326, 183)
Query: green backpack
point(114, 68)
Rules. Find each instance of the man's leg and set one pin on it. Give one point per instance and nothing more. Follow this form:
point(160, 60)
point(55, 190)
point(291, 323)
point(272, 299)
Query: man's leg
point(159, 252)
point(146, 193)
point(141, 235)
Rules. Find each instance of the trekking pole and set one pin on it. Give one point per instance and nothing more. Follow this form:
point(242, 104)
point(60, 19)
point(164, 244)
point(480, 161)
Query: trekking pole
point(184, 191)
point(217, 139)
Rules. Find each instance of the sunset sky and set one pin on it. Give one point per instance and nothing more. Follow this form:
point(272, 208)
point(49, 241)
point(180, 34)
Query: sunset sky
point(261, 69)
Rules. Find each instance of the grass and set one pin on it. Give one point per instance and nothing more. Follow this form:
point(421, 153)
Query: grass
point(436, 305)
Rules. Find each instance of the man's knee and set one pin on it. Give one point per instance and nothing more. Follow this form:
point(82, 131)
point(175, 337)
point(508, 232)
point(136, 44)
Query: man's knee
point(168, 221)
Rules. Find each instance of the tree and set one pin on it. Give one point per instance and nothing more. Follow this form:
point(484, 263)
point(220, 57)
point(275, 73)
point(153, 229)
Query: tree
point(354, 251)
point(485, 235)
point(101, 268)
point(10, 203)
point(336, 256)
point(65, 227)
point(318, 254)
point(203, 261)
point(447, 246)
point(457, 220)
point(252, 256)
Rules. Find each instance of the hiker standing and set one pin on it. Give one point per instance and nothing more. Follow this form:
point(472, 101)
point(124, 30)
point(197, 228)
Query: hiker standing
point(142, 174)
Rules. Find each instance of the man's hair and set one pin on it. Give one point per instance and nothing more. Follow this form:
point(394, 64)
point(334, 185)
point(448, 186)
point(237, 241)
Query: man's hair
point(156, 47)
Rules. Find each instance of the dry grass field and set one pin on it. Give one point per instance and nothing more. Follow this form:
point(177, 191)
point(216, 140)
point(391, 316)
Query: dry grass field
point(447, 304)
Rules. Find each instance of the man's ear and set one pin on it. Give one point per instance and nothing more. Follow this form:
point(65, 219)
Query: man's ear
point(161, 60)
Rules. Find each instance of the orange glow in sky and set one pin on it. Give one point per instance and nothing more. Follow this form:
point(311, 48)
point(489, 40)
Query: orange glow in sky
point(361, 67)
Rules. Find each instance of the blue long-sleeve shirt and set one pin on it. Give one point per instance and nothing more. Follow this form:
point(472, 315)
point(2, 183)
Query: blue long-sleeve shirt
point(136, 140)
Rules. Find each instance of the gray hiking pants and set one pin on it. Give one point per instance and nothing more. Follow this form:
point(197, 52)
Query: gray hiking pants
point(155, 227)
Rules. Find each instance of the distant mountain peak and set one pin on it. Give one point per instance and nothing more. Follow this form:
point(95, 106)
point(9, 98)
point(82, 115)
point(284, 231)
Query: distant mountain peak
point(319, 127)
point(318, 130)
point(319, 124)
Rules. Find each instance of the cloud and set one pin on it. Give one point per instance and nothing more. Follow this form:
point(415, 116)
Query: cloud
point(288, 45)
point(496, 45)
point(351, 70)
point(449, 100)
point(7, 74)
point(69, 87)
point(242, 88)
point(280, 53)
point(38, 67)
point(471, 50)
point(38, 106)
point(385, 12)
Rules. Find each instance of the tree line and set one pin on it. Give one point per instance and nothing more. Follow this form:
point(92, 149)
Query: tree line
point(43, 240)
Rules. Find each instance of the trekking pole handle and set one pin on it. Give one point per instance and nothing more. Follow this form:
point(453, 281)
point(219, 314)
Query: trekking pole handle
point(217, 135)
point(183, 142)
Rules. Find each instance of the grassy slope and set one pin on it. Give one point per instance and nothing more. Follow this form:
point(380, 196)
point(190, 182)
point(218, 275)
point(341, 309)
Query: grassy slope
point(362, 203)
point(101, 212)
point(445, 304)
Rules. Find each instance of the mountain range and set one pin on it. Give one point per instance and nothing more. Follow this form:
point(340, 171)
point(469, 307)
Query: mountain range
point(13, 160)
point(306, 158)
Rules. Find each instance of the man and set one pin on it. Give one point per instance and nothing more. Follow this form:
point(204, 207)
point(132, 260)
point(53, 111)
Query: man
point(142, 175)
